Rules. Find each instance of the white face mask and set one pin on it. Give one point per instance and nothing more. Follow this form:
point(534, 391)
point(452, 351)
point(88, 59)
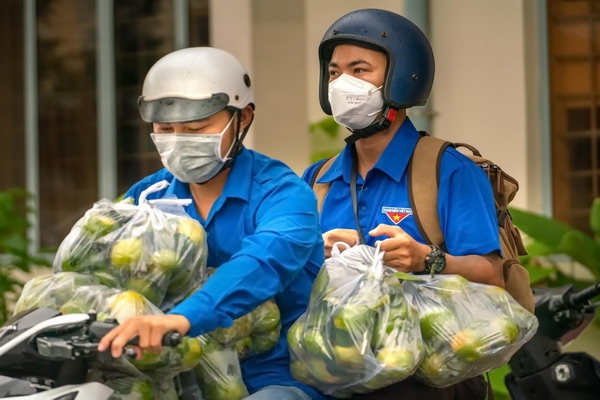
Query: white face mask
point(354, 103)
point(192, 157)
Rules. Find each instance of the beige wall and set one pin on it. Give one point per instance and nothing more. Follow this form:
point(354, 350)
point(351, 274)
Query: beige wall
point(479, 89)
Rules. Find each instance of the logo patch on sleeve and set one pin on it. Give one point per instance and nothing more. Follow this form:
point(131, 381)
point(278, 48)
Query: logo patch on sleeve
point(396, 214)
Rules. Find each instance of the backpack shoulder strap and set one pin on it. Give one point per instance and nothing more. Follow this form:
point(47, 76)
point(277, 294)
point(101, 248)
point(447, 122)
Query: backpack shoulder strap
point(321, 189)
point(423, 183)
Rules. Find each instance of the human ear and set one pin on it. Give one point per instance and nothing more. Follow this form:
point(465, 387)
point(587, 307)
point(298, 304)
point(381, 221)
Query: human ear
point(247, 116)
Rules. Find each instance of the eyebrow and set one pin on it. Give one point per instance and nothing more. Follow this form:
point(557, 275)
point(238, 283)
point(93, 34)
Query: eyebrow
point(351, 63)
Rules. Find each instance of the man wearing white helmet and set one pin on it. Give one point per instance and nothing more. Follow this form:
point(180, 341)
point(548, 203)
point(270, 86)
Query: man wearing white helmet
point(260, 217)
point(374, 64)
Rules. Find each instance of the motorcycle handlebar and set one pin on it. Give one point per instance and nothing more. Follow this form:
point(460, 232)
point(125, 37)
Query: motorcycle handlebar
point(100, 328)
point(578, 299)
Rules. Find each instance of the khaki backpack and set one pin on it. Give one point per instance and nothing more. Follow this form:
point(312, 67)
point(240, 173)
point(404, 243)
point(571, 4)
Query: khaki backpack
point(424, 169)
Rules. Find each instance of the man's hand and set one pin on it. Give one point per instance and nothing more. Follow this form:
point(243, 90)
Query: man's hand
point(402, 252)
point(149, 328)
point(349, 236)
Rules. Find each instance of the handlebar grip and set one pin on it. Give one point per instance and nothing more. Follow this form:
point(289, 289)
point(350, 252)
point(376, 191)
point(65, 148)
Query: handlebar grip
point(170, 339)
point(583, 296)
point(100, 328)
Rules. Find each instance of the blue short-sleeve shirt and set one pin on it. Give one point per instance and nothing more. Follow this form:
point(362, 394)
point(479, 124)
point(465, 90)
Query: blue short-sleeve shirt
point(465, 200)
point(264, 238)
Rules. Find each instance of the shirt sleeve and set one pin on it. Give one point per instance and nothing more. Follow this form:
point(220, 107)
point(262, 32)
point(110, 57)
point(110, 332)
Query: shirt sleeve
point(283, 241)
point(466, 207)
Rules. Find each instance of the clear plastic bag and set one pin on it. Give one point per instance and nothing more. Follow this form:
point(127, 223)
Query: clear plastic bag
point(71, 292)
point(51, 290)
point(264, 334)
point(468, 328)
point(359, 333)
point(153, 248)
point(219, 374)
point(253, 333)
point(134, 388)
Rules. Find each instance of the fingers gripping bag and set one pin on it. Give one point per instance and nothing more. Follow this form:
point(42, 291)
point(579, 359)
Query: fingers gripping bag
point(154, 248)
point(468, 328)
point(358, 333)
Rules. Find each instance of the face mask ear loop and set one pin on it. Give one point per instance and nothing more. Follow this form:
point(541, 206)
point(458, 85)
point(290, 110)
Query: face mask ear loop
point(239, 137)
point(229, 151)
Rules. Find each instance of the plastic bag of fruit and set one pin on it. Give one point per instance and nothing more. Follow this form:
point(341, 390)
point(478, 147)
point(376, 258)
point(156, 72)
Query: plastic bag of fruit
point(218, 373)
point(134, 388)
point(121, 305)
point(359, 333)
point(153, 248)
point(266, 328)
point(253, 333)
point(51, 290)
point(71, 292)
point(468, 328)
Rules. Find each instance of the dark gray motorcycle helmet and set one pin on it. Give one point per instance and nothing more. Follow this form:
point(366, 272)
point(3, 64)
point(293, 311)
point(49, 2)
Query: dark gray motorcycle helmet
point(410, 71)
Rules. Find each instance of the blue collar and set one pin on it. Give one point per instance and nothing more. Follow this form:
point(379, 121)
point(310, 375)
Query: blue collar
point(393, 162)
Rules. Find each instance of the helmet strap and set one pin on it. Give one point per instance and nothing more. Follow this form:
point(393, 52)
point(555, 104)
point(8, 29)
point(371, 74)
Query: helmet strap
point(387, 117)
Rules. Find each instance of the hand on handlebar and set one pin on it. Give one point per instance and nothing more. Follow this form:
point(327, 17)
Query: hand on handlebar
point(145, 331)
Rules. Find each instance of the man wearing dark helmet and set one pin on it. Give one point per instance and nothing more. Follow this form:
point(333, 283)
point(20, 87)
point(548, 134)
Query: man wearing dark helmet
point(374, 64)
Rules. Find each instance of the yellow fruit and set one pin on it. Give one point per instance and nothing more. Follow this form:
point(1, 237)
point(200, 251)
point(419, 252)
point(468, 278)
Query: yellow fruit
point(432, 365)
point(349, 356)
point(468, 345)
point(191, 351)
point(192, 229)
point(99, 225)
point(294, 336)
point(402, 361)
point(128, 304)
point(126, 253)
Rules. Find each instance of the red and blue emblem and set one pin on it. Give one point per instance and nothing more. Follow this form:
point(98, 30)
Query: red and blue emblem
point(396, 214)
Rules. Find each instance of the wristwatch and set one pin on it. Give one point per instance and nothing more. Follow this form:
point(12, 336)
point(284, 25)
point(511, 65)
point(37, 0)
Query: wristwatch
point(435, 262)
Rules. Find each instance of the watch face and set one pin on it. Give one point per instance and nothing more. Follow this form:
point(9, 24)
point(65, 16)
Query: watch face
point(435, 262)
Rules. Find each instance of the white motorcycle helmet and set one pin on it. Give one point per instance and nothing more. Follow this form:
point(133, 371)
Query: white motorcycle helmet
point(192, 84)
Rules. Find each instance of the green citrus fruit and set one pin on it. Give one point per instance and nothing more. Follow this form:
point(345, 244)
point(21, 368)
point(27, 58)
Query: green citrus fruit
point(166, 260)
point(436, 322)
point(191, 351)
point(147, 288)
point(126, 253)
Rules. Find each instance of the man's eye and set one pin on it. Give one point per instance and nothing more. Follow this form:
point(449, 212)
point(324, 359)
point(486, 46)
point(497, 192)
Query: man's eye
point(333, 73)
